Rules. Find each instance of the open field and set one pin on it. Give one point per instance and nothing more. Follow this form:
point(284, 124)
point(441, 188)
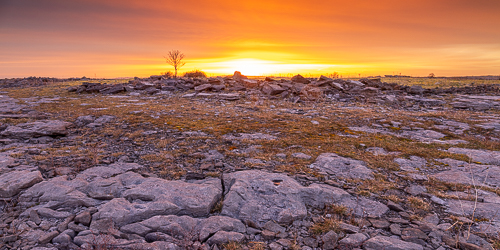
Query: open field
point(417, 165)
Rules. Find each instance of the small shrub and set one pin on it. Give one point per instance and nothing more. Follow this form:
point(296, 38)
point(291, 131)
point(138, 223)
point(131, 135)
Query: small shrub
point(195, 74)
point(167, 74)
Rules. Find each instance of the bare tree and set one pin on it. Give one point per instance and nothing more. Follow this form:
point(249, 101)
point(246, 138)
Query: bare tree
point(175, 58)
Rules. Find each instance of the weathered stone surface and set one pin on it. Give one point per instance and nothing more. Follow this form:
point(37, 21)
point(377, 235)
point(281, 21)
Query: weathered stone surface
point(122, 212)
point(203, 87)
point(214, 224)
point(480, 209)
point(470, 173)
point(222, 237)
point(272, 89)
point(13, 182)
point(353, 240)
point(365, 207)
point(62, 239)
point(412, 164)
point(47, 237)
point(85, 217)
point(6, 161)
point(300, 79)
point(107, 171)
point(49, 213)
point(482, 156)
point(384, 242)
point(259, 196)
point(37, 129)
point(330, 240)
point(59, 193)
point(337, 166)
point(244, 136)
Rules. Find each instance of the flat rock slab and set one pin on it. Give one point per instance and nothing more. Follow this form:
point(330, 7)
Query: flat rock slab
point(156, 196)
point(425, 136)
point(185, 226)
point(6, 161)
point(337, 166)
point(9, 105)
point(259, 197)
point(124, 196)
point(256, 136)
point(415, 163)
point(12, 183)
point(484, 210)
point(37, 129)
point(384, 242)
point(479, 156)
point(470, 173)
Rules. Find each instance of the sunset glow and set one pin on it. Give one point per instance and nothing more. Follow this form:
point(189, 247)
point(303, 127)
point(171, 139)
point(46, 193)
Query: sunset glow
point(362, 37)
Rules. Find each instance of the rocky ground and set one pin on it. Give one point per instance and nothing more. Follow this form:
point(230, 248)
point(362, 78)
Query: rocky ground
point(238, 163)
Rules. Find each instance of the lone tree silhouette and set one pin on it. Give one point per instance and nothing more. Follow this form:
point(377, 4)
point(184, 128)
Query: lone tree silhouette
point(175, 58)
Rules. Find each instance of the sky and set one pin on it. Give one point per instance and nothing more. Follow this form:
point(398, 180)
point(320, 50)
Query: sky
point(126, 38)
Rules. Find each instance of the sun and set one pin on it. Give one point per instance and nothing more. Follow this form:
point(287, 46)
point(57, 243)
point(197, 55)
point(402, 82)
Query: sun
point(250, 67)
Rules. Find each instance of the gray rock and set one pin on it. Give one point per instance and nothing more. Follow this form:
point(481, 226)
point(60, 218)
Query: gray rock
point(62, 239)
point(384, 242)
point(272, 89)
point(123, 212)
point(49, 213)
point(365, 207)
point(37, 129)
point(301, 156)
point(470, 174)
point(46, 238)
point(13, 182)
point(178, 226)
point(222, 237)
point(84, 120)
point(353, 240)
point(416, 90)
point(480, 209)
point(6, 161)
point(136, 228)
point(107, 171)
point(274, 227)
point(335, 165)
point(244, 136)
point(416, 189)
point(481, 156)
point(215, 224)
point(259, 196)
point(85, 217)
point(330, 240)
point(411, 164)
point(34, 217)
point(59, 193)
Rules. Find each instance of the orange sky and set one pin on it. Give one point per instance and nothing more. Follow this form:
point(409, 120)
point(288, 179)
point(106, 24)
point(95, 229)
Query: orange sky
point(118, 38)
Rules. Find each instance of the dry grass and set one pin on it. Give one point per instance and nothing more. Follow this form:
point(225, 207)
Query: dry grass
point(327, 225)
point(418, 203)
point(232, 246)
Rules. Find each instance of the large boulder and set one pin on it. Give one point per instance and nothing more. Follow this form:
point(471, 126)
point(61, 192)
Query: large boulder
point(259, 197)
point(37, 129)
point(153, 196)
